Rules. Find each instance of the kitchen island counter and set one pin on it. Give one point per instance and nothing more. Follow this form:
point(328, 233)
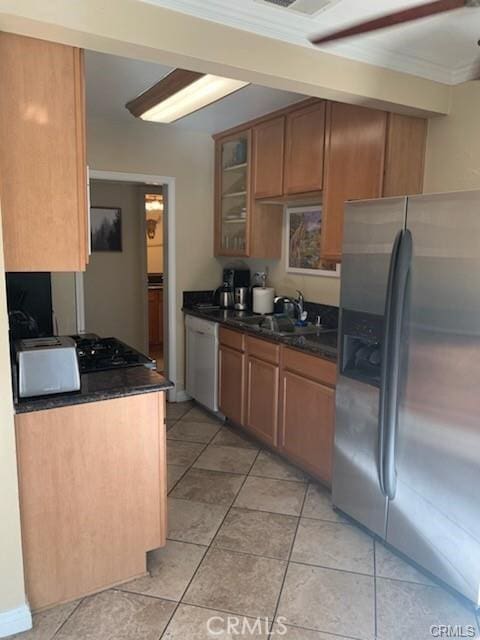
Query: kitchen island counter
point(100, 385)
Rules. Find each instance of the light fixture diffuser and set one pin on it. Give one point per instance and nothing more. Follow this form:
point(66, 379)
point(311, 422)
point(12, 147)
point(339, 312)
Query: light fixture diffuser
point(181, 93)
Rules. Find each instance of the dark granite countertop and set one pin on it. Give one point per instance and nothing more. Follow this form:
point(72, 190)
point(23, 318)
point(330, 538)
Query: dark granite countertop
point(322, 343)
point(100, 385)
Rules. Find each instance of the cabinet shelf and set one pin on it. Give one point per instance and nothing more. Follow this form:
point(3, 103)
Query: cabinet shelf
point(235, 194)
point(235, 167)
point(235, 221)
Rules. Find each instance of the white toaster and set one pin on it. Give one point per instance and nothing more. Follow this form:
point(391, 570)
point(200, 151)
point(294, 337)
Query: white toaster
point(46, 366)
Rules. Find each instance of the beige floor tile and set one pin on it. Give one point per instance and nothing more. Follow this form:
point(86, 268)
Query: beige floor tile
point(198, 414)
point(389, 565)
point(170, 423)
point(47, 623)
point(174, 473)
point(411, 610)
point(318, 504)
point(193, 623)
point(211, 487)
point(171, 569)
point(193, 431)
point(175, 410)
point(183, 453)
point(230, 459)
point(295, 633)
point(334, 602)
point(334, 545)
point(229, 437)
point(116, 615)
point(243, 584)
point(277, 496)
point(269, 465)
point(257, 532)
point(194, 521)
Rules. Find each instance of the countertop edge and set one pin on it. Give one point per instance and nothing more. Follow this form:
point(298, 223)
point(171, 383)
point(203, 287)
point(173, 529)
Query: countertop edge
point(31, 405)
point(317, 352)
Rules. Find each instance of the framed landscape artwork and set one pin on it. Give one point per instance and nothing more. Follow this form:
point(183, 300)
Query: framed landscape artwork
point(303, 229)
point(106, 228)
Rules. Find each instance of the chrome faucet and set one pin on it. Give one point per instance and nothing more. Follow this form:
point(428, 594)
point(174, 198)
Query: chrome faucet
point(299, 303)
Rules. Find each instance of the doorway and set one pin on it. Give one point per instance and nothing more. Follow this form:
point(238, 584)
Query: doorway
point(166, 186)
point(154, 209)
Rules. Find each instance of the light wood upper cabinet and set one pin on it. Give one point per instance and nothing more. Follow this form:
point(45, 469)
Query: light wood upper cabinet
point(405, 155)
point(354, 166)
point(268, 152)
point(243, 227)
point(330, 153)
point(42, 155)
point(305, 141)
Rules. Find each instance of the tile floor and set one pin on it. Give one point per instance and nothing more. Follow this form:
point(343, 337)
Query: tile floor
point(249, 536)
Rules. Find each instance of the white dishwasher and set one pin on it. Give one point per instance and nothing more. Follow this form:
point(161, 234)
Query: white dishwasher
point(202, 361)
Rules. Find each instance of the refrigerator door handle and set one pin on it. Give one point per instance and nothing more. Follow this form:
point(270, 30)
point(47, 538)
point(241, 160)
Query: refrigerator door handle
point(386, 366)
point(392, 369)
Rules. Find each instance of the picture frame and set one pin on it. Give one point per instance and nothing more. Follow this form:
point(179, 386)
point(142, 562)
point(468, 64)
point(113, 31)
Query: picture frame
point(303, 225)
point(106, 229)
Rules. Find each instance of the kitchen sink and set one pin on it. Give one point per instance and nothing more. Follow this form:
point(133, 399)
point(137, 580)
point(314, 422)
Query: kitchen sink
point(281, 326)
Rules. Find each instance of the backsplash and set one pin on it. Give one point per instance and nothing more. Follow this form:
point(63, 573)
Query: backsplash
point(328, 313)
point(191, 298)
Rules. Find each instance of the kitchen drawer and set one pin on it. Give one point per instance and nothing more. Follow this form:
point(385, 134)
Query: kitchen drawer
point(309, 366)
point(263, 350)
point(232, 339)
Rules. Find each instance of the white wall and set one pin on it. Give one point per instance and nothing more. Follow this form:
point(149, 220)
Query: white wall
point(322, 289)
point(114, 282)
point(12, 591)
point(453, 143)
point(147, 148)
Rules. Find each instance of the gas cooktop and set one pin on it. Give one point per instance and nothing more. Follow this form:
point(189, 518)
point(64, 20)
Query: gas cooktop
point(102, 354)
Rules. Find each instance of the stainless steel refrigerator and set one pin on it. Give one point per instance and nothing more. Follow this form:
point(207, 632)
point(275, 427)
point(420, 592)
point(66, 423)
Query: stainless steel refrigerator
point(407, 438)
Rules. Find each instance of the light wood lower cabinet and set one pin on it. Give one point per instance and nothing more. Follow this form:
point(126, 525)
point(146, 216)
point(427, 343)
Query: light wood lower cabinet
point(92, 482)
point(307, 423)
point(262, 399)
point(282, 396)
point(231, 389)
point(155, 317)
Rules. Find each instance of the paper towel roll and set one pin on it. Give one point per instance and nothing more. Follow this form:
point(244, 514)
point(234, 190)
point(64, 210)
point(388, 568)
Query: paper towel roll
point(263, 299)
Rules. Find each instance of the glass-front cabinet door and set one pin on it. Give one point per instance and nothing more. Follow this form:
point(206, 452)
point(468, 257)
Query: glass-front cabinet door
point(233, 193)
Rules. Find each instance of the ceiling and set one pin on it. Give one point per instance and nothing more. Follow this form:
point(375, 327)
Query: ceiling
point(443, 48)
point(111, 81)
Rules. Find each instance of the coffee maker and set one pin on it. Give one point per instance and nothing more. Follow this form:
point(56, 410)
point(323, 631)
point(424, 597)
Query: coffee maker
point(233, 279)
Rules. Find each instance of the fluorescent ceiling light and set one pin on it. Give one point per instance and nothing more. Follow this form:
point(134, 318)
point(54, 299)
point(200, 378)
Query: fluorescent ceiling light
point(181, 93)
point(197, 95)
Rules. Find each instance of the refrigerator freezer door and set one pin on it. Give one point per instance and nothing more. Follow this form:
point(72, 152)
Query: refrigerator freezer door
point(435, 516)
point(370, 231)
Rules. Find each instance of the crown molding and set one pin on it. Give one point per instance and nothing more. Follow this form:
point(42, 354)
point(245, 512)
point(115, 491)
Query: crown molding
point(264, 21)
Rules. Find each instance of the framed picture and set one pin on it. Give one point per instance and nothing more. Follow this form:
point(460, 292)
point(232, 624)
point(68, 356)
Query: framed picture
point(106, 228)
point(303, 229)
